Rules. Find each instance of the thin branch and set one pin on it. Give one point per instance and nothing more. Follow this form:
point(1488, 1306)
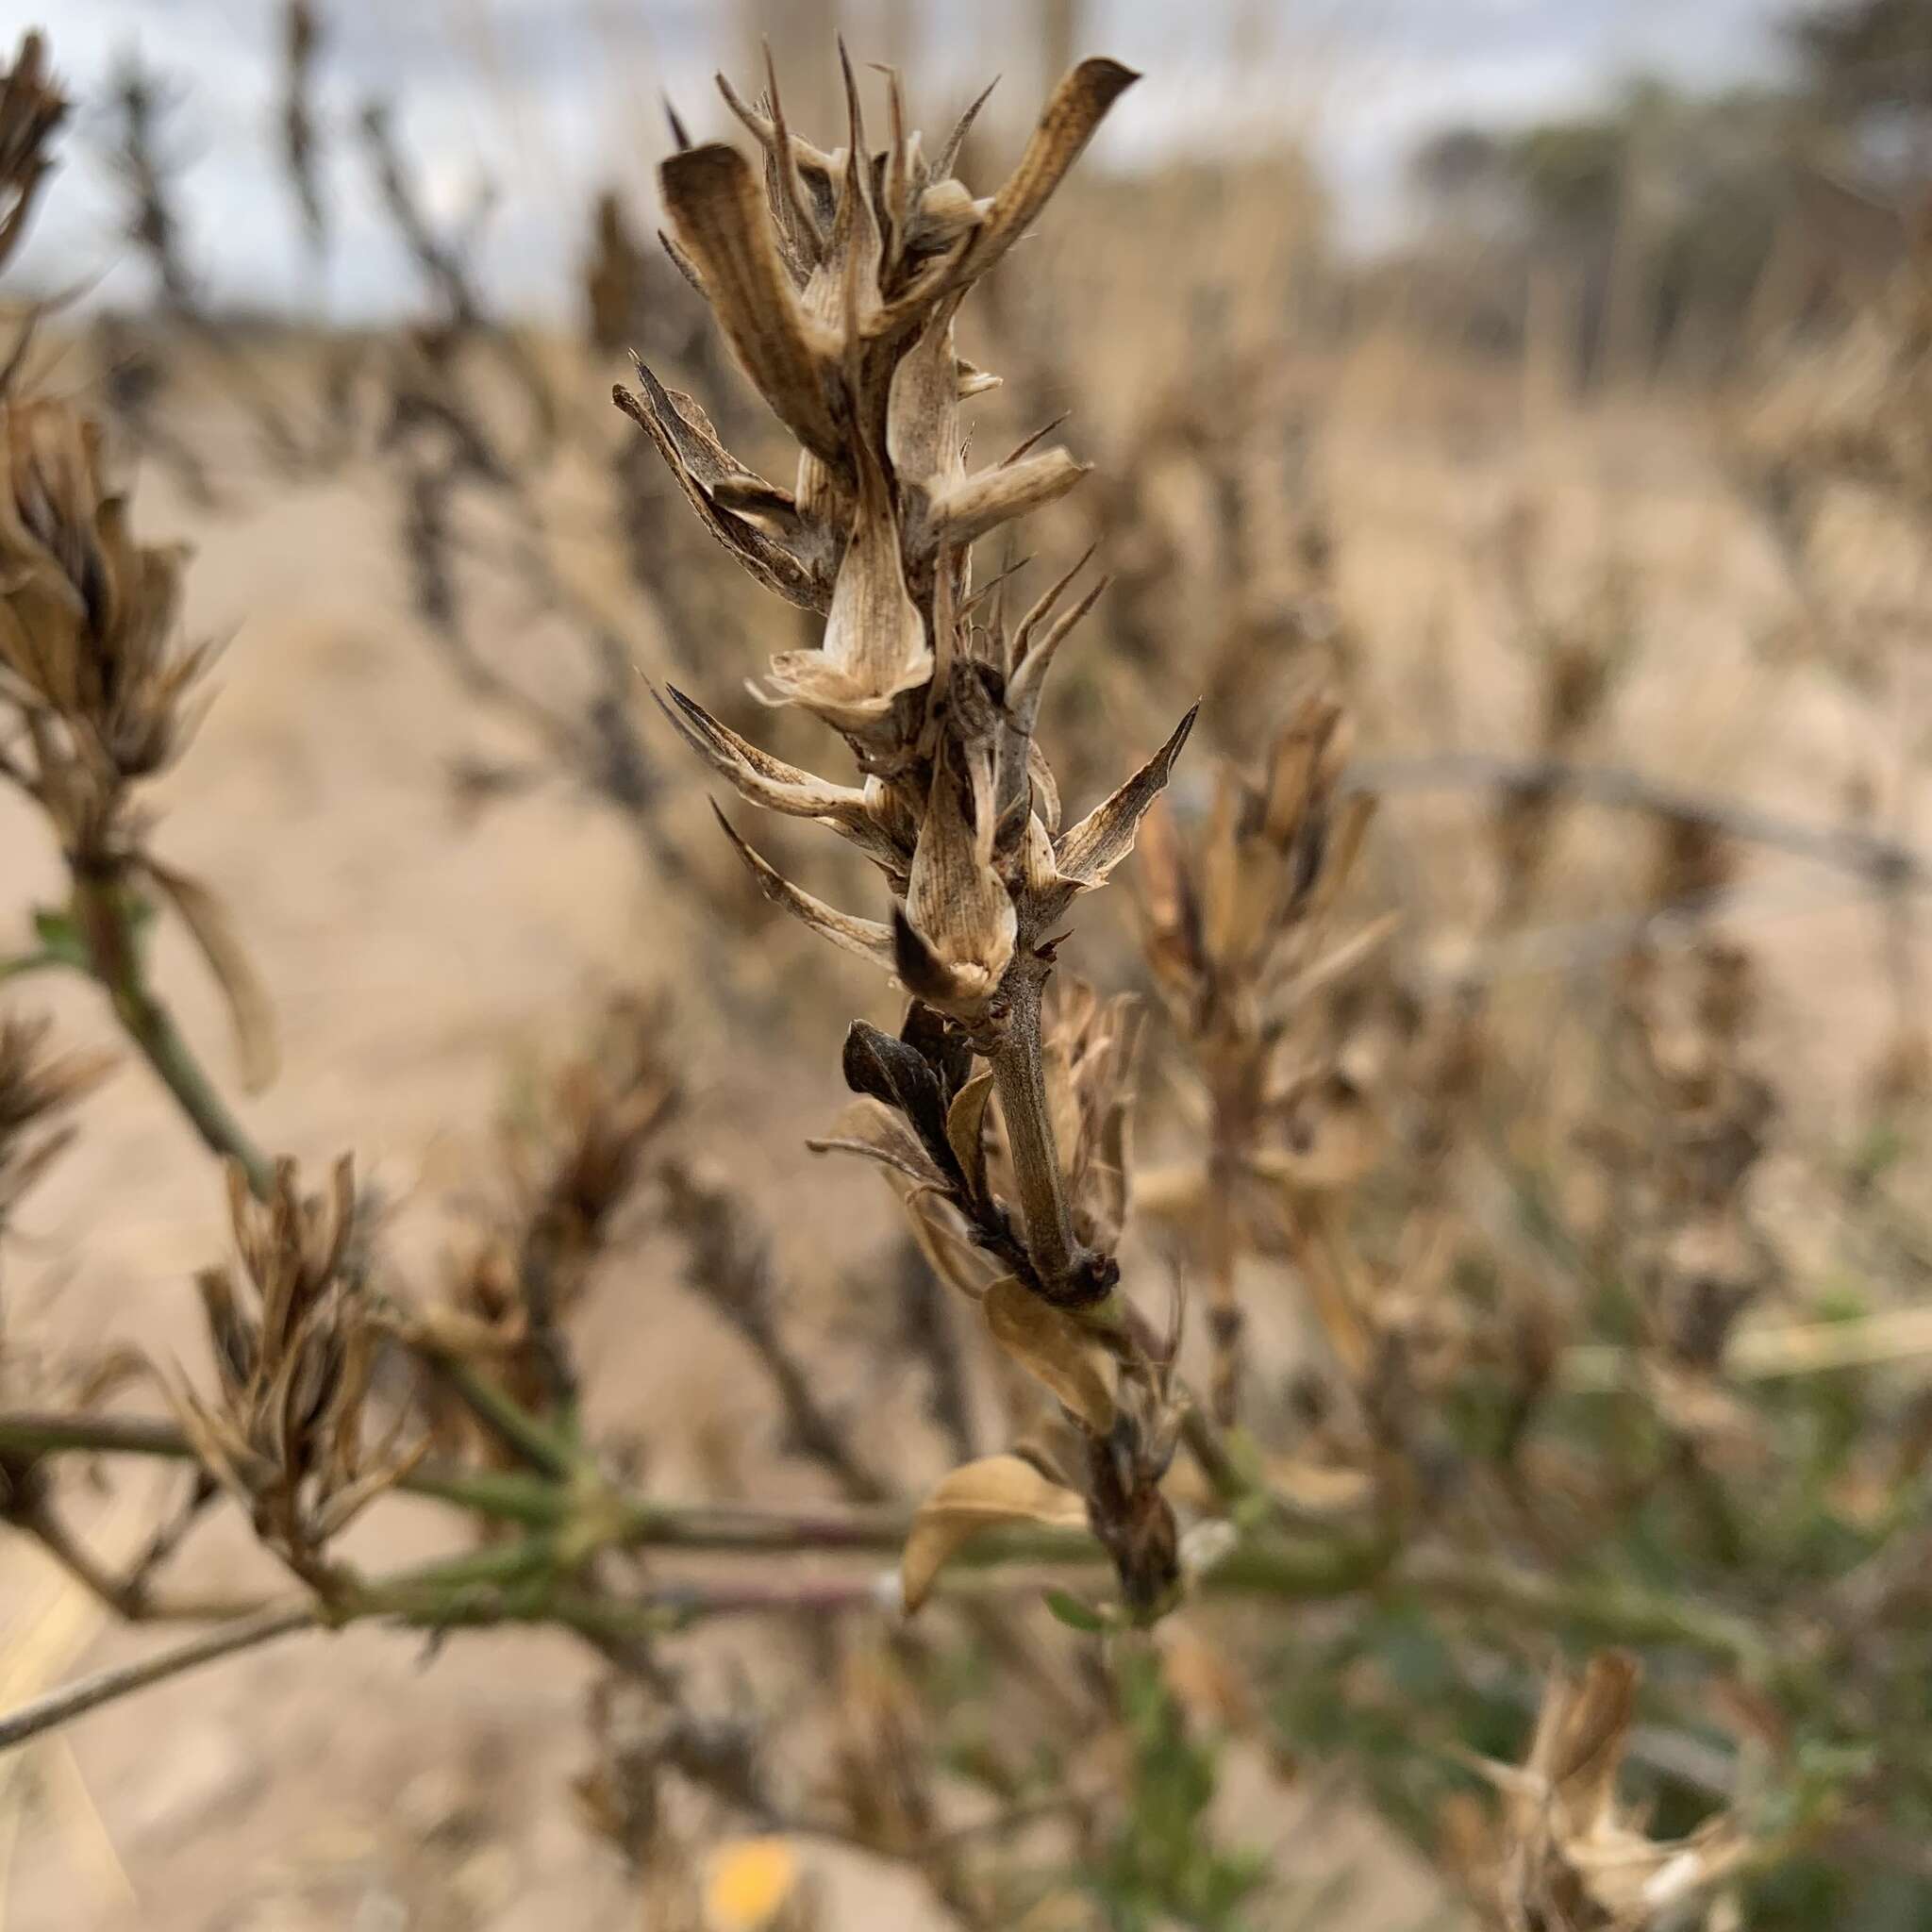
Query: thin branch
point(1884, 862)
point(114, 961)
point(76, 1700)
point(506, 1493)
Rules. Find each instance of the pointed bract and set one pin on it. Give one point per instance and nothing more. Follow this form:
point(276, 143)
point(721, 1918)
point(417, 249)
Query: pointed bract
point(864, 937)
point(719, 216)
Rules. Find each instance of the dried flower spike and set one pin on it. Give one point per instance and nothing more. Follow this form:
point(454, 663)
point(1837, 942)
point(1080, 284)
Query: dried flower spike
point(105, 694)
point(293, 1358)
point(837, 279)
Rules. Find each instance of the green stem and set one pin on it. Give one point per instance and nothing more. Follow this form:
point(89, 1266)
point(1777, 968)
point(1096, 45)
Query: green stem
point(20, 964)
point(503, 1493)
point(1601, 1609)
point(544, 1449)
point(101, 913)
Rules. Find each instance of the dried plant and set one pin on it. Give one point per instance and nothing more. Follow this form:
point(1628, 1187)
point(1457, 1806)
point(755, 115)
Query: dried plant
point(837, 282)
point(31, 111)
point(1238, 936)
point(293, 1358)
point(35, 1089)
point(301, 39)
point(1567, 1854)
point(103, 695)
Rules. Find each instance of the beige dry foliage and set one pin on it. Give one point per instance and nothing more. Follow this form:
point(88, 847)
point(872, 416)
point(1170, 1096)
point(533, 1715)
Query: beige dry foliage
point(1567, 1855)
point(37, 1087)
point(1238, 930)
point(293, 1356)
point(995, 1492)
point(837, 279)
point(105, 696)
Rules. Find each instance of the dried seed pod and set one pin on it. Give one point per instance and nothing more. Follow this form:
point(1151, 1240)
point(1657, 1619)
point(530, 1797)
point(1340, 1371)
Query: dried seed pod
point(293, 1358)
point(568, 1170)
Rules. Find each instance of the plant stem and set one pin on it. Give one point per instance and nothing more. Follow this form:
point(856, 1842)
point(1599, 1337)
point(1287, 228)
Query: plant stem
point(506, 1493)
point(1264, 1564)
point(126, 1597)
point(20, 964)
point(541, 1447)
point(100, 910)
point(76, 1700)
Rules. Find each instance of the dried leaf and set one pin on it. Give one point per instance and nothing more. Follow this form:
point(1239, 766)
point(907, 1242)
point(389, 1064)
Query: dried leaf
point(796, 563)
point(957, 903)
point(1033, 661)
point(873, 632)
point(764, 780)
point(995, 1492)
point(1078, 106)
point(864, 937)
point(896, 1073)
point(1091, 850)
point(868, 1129)
point(719, 214)
point(1052, 1347)
point(922, 415)
point(1321, 1489)
point(966, 510)
point(249, 1008)
point(966, 1131)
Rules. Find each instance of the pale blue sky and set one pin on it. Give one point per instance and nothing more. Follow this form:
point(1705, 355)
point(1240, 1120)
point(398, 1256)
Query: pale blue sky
point(548, 96)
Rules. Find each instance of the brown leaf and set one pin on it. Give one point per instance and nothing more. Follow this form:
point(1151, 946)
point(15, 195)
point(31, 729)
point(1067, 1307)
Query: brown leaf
point(801, 179)
point(764, 780)
point(249, 1008)
point(956, 902)
point(1052, 1347)
point(783, 550)
point(719, 214)
point(995, 1492)
point(864, 937)
point(1032, 661)
point(873, 632)
point(966, 510)
point(868, 1131)
point(966, 1130)
point(1087, 852)
point(922, 415)
point(1078, 106)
